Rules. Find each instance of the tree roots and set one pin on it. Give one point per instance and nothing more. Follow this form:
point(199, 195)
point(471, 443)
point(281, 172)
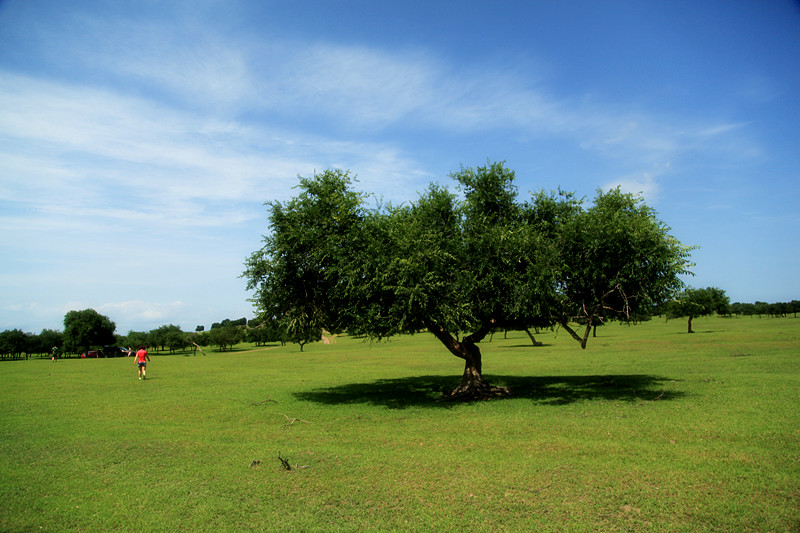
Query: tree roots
point(475, 391)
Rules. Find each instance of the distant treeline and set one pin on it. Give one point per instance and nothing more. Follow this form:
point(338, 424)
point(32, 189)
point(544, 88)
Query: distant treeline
point(16, 344)
point(780, 309)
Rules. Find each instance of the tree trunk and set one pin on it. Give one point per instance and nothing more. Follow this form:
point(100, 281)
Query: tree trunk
point(574, 335)
point(533, 339)
point(472, 386)
point(690, 326)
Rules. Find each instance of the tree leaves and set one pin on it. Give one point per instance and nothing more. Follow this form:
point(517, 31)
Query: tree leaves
point(86, 329)
point(462, 264)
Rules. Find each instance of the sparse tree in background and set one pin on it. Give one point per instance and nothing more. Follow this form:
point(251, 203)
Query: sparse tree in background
point(50, 338)
point(202, 339)
point(176, 340)
point(693, 303)
point(86, 329)
point(225, 337)
point(166, 336)
point(265, 332)
point(458, 268)
point(761, 308)
point(745, 309)
point(47, 341)
point(135, 339)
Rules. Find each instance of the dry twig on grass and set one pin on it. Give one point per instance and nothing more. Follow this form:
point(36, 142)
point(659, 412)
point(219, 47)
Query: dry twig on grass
point(262, 402)
point(287, 466)
point(284, 461)
point(290, 421)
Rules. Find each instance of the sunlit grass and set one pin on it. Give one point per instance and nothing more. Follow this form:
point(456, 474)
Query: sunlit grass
point(649, 429)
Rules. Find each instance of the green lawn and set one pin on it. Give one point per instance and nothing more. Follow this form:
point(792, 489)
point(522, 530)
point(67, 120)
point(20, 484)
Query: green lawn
point(648, 429)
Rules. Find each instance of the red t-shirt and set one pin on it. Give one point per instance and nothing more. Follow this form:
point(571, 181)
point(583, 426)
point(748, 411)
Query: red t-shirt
point(140, 356)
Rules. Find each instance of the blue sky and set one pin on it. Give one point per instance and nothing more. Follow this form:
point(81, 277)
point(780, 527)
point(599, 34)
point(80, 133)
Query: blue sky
point(139, 140)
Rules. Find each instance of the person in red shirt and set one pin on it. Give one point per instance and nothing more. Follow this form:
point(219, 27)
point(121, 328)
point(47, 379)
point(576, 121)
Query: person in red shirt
point(141, 362)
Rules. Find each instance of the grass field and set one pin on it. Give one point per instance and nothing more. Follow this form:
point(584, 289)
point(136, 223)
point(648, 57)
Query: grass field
point(649, 429)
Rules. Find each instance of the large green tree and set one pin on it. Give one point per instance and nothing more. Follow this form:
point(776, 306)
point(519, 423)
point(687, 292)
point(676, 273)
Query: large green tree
point(86, 329)
point(458, 266)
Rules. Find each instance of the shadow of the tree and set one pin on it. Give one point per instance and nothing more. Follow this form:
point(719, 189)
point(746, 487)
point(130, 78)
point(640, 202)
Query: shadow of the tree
point(529, 345)
point(425, 391)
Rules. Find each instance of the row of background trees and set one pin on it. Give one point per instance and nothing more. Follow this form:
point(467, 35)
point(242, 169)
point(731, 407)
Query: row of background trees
point(87, 329)
point(692, 303)
point(779, 309)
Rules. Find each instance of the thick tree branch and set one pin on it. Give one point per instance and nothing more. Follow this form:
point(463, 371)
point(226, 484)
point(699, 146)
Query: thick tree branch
point(481, 333)
point(445, 338)
point(572, 333)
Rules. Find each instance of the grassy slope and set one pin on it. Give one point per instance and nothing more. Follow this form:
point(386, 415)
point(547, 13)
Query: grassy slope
point(647, 429)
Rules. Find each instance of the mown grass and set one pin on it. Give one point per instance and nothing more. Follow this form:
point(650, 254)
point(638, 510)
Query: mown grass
point(649, 429)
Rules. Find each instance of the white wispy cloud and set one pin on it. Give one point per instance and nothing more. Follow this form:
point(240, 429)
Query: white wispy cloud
point(643, 184)
point(84, 146)
point(356, 89)
point(138, 311)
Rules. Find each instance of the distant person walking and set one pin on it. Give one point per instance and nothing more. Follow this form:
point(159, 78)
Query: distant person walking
point(141, 362)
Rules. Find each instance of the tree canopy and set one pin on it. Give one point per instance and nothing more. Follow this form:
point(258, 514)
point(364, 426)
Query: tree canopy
point(86, 329)
point(459, 266)
point(692, 303)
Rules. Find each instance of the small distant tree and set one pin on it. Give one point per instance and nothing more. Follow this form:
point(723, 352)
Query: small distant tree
point(693, 303)
point(225, 337)
point(49, 339)
point(176, 340)
point(270, 330)
point(202, 339)
point(742, 309)
point(87, 328)
point(200, 328)
point(259, 335)
point(134, 339)
point(162, 336)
